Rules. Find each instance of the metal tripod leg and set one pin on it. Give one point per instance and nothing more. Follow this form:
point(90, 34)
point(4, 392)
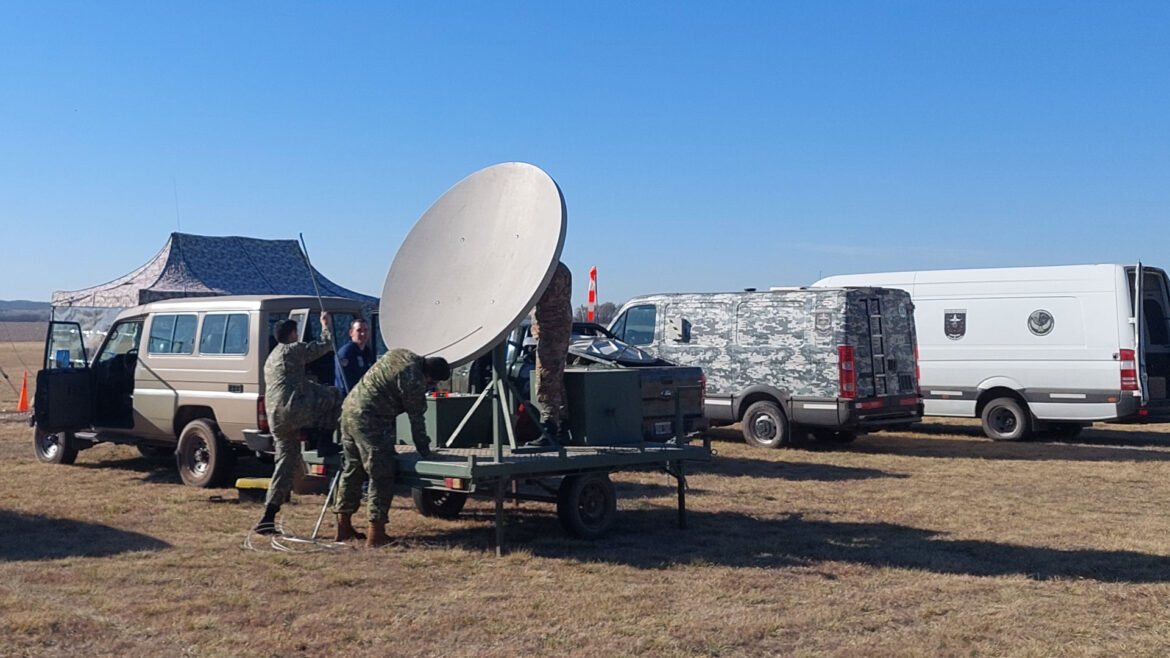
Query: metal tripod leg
point(328, 499)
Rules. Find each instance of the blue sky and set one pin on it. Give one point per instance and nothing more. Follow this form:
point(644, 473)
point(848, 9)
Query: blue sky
point(700, 146)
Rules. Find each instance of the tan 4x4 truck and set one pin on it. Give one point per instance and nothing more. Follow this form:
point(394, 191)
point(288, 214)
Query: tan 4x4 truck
point(191, 388)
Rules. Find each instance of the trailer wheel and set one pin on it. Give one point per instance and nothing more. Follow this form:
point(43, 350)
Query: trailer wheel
point(204, 458)
point(1005, 419)
point(54, 447)
point(765, 426)
point(586, 504)
point(438, 503)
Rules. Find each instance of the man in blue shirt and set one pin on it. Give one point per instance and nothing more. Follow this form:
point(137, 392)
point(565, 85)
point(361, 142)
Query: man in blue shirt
point(356, 357)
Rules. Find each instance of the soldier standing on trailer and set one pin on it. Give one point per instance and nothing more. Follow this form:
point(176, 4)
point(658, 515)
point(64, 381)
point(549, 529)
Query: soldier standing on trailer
point(396, 383)
point(552, 326)
point(293, 402)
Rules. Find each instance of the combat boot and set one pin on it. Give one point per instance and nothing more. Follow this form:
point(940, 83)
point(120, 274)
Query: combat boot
point(345, 529)
point(377, 535)
point(267, 523)
point(548, 436)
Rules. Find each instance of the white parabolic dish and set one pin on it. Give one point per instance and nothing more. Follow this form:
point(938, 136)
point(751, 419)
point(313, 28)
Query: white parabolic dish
point(474, 263)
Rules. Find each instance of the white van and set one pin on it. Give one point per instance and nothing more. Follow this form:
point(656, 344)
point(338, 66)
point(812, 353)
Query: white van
point(1039, 348)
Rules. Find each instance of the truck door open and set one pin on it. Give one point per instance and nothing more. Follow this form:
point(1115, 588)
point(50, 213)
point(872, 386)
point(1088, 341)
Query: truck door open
point(65, 391)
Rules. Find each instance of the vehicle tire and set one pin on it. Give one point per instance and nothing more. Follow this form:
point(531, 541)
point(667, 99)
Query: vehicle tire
point(203, 456)
point(155, 453)
point(586, 504)
point(438, 503)
point(765, 426)
point(834, 436)
point(54, 447)
point(1005, 419)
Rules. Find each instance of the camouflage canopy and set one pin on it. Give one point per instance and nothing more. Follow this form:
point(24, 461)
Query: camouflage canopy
point(198, 266)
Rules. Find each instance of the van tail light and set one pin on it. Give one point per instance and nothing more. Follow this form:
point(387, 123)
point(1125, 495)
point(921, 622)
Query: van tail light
point(845, 371)
point(917, 371)
point(1129, 378)
point(261, 415)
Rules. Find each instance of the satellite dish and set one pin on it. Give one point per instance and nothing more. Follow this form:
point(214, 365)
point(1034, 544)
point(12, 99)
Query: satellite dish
point(474, 264)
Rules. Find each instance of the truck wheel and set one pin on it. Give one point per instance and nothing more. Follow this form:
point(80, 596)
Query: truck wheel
point(764, 425)
point(834, 436)
point(204, 458)
point(1004, 419)
point(54, 447)
point(586, 504)
point(438, 503)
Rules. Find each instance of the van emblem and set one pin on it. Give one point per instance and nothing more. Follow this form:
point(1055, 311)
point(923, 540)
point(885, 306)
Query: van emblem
point(1041, 322)
point(955, 323)
point(823, 322)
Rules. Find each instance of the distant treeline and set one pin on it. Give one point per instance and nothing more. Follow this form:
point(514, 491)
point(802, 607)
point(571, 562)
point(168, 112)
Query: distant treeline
point(22, 310)
point(12, 315)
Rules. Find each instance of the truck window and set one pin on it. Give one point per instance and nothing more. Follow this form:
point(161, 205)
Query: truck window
point(123, 339)
point(172, 334)
point(640, 322)
point(224, 333)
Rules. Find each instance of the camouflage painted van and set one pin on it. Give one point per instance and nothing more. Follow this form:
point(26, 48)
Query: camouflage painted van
point(788, 362)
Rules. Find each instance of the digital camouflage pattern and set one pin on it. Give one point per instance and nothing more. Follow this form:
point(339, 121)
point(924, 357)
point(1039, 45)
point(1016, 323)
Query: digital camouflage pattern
point(393, 385)
point(788, 339)
point(294, 402)
point(552, 326)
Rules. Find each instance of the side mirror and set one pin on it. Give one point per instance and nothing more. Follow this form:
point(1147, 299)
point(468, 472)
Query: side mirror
point(679, 330)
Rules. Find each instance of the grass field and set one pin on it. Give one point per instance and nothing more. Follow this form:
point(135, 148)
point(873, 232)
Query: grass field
point(931, 542)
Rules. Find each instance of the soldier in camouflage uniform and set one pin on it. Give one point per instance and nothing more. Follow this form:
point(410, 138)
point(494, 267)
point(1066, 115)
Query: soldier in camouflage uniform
point(552, 326)
point(396, 383)
point(293, 402)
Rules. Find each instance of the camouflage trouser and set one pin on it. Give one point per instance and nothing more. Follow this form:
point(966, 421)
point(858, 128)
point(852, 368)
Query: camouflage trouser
point(369, 454)
point(288, 461)
point(551, 352)
point(321, 409)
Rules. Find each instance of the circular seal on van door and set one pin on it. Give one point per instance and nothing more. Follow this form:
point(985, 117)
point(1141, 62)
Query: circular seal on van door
point(1041, 322)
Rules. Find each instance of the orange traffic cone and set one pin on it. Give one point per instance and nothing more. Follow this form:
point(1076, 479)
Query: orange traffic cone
point(22, 404)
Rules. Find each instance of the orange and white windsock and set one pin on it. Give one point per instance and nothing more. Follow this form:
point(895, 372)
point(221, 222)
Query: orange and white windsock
point(592, 291)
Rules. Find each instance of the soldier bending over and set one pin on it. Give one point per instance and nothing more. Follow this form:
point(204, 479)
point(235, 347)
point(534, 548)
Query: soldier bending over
point(396, 383)
point(293, 402)
point(552, 326)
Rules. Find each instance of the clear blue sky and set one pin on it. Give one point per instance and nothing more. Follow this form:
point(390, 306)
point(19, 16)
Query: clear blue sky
point(699, 146)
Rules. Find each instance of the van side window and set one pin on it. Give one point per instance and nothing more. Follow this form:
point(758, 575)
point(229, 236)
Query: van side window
point(640, 321)
point(172, 334)
point(224, 334)
point(619, 328)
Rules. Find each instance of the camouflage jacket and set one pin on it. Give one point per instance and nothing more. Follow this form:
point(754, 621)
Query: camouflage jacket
point(393, 385)
point(555, 306)
point(289, 396)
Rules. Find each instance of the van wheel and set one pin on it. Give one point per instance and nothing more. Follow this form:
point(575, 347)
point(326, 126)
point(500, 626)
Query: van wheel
point(1004, 419)
point(765, 426)
point(586, 504)
point(204, 458)
point(54, 447)
point(438, 503)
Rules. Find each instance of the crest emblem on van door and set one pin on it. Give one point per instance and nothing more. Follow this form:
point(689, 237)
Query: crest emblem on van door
point(955, 323)
point(823, 322)
point(1041, 322)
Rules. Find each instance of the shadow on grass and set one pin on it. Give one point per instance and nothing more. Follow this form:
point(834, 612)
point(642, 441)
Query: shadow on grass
point(34, 537)
point(651, 539)
point(162, 470)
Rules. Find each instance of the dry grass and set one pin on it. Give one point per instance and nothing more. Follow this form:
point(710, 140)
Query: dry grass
point(924, 543)
point(17, 356)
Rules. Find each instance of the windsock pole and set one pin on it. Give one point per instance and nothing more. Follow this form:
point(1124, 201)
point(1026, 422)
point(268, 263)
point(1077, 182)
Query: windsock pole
point(592, 291)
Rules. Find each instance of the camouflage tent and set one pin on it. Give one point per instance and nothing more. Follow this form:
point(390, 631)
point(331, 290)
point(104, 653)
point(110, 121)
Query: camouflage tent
point(199, 266)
